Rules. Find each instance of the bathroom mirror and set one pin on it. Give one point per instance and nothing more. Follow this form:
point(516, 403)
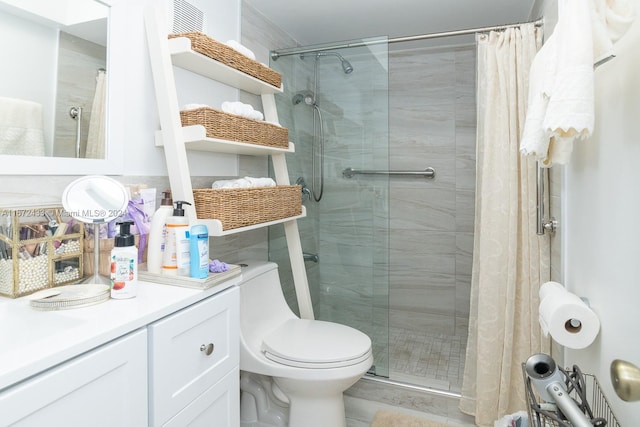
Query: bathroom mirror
point(95, 199)
point(111, 158)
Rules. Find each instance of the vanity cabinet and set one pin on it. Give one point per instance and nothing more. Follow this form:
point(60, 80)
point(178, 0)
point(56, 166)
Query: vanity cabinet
point(105, 387)
point(169, 357)
point(193, 364)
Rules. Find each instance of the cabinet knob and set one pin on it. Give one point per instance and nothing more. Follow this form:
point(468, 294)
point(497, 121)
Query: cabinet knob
point(207, 348)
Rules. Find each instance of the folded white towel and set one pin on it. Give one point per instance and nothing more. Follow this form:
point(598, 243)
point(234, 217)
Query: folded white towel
point(194, 106)
point(246, 182)
point(241, 109)
point(561, 96)
point(260, 182)
point(240, 48)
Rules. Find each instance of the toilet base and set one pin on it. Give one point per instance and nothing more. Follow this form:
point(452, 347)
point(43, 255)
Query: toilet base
point(310, 412)
point(259, 406)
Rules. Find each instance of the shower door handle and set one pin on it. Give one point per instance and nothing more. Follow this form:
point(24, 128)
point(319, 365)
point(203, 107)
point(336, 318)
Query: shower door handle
point(427, 173)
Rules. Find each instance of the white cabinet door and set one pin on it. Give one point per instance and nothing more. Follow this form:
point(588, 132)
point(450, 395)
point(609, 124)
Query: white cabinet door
point(105, 387)
point(190, 351)
point(219, 406)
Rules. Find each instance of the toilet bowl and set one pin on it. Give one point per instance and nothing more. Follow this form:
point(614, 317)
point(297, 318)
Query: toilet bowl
point(311, 362)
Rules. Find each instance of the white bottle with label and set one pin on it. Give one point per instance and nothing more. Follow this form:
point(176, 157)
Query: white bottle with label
point(158, 234)
point(177, 231)
point(124, 264)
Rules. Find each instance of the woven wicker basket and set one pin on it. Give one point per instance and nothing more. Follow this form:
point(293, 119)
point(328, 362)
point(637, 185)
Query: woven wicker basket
point(207, 46)
point(241, 207)
point(235, 128)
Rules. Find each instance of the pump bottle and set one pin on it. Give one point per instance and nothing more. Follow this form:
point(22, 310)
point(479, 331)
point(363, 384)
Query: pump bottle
point(124, 263)
point(175, 259)
point(158, 233)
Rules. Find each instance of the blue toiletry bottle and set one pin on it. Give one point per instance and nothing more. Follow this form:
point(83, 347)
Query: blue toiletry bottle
point(199, 251)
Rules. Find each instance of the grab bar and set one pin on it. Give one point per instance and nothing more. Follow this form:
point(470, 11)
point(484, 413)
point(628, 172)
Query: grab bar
point(542, 224)
point(76, 114)
point(427, 173)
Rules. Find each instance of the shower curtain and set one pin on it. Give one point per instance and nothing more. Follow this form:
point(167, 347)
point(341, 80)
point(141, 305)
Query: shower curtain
point(509, 260)
point(97, 122)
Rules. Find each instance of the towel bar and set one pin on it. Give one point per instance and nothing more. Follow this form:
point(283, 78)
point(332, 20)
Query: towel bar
point(427, 173)
point(542, 224)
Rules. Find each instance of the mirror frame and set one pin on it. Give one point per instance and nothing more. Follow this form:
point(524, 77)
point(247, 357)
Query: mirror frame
point(114, 162)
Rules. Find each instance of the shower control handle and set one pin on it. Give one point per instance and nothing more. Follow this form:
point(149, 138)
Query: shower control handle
point(207, 348)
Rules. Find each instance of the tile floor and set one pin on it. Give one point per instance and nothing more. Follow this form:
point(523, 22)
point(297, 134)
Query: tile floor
point(427, 358)
point(368, 396)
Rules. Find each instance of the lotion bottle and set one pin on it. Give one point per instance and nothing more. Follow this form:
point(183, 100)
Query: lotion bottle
point(158, 234)
point(177, 228)
point(124, 264)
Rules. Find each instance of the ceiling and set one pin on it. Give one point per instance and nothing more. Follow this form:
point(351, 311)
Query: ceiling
point(322, 21)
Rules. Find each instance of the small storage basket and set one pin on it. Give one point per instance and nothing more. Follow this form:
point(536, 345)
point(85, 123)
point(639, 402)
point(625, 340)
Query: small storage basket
point(235, 128)
point(207, 46)
point(241, 207)
point(585, 391)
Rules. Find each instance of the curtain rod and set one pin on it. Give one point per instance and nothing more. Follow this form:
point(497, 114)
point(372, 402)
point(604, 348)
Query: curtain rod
point(275, 54)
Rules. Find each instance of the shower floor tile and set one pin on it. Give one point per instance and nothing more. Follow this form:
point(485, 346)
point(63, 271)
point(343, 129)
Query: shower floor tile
point(428, 359)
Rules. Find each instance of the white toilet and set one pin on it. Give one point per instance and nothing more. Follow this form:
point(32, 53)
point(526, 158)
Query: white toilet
point(304, 365)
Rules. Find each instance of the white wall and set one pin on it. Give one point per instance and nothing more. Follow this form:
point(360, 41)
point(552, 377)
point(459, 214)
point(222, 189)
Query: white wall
point(142, 157)
point(600, 227)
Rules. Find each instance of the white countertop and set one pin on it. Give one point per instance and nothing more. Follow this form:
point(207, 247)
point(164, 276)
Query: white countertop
point(32, 341)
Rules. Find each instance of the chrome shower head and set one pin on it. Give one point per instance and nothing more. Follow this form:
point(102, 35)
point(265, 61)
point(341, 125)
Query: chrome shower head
point(346, 65)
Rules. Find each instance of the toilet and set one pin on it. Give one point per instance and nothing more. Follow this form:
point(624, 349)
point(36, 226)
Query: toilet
point(293, 371)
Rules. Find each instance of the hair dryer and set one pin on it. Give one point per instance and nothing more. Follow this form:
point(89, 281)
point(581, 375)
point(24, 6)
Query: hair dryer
point(549, 382)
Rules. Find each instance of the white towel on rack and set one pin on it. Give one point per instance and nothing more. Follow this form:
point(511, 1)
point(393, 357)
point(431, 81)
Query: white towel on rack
point(561, 98)
point(246, 182)
point(194, 106)
point(561, 88)
point(233, 44)
point(241, 109)
point(611, 20)
point(21, 127)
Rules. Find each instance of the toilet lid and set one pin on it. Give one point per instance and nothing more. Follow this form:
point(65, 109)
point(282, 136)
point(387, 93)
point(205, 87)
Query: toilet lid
point(318, 344)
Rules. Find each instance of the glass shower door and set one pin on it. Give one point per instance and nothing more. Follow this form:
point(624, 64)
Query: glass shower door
point(335, 106)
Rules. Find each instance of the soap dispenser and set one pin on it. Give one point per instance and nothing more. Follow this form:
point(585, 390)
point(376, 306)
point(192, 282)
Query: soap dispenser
point(124, 263)
point(175, 259)
point(158, 234)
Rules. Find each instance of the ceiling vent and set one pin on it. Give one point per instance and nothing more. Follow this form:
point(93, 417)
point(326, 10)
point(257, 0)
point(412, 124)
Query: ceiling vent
point(186, 17)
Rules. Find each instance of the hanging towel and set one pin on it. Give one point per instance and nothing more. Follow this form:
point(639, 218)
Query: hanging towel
point(561, 89)
point(611, 20)
point(561, 106)
point(21, 127)
point(97, 122)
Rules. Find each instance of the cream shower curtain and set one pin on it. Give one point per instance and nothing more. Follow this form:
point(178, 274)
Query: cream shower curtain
point(509, 260)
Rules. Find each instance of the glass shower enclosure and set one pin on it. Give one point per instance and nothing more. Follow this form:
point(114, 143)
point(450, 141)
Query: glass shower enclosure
point(335, 105)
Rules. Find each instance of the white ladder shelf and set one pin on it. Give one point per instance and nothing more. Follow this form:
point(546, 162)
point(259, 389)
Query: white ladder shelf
point(164, 54)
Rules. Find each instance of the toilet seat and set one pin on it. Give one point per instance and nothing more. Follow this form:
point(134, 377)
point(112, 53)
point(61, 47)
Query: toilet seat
point(316, 344)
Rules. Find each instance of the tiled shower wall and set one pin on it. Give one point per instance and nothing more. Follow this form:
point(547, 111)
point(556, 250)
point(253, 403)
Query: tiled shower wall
point(432, 124)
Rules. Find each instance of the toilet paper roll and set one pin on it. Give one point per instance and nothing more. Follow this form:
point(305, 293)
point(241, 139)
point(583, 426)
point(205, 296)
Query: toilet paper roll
point(568, 319)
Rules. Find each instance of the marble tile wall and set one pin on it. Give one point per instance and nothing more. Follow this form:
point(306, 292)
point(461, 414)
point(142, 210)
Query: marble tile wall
point(432, 123)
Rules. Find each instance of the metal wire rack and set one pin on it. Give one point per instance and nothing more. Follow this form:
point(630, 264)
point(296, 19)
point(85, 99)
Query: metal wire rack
point(584, 389)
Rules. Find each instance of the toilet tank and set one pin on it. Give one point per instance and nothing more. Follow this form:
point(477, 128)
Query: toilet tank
point(262, 303)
